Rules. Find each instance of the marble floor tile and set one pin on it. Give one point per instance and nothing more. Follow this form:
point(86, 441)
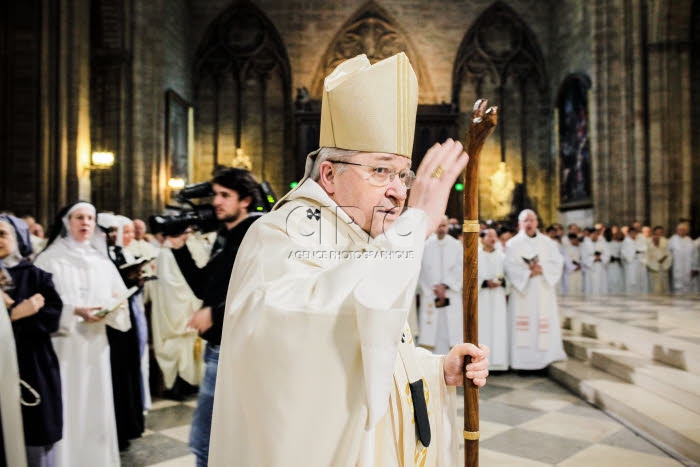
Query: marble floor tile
point(627, 439)
point(506, 414)
point(513, 380)
point(584, 409)
point(169, 418)
point(610, 456)
point(492, 389)
point(572, 426)
point(185, 461)
point(180, 433)
point(153, 449)
point(545, 401)
point(490, 429)
point(534, 445)
point(163, 404)
point(490, 458)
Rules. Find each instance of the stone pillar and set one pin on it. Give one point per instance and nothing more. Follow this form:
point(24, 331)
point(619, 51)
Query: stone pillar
point(670, 156)
point(617, 112)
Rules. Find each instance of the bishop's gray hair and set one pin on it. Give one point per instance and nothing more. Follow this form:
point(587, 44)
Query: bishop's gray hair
point(329, 153)
point(523, 214)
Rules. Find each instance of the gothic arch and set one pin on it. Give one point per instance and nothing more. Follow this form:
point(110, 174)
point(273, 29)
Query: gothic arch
point(500, 59)
point(371, 30)
point(242, 88)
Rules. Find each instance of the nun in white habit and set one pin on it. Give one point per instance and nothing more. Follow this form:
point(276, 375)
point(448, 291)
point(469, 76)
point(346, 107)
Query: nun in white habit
point(87, 282)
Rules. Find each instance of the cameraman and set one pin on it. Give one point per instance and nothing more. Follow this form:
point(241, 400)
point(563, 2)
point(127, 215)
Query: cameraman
point(235, 192)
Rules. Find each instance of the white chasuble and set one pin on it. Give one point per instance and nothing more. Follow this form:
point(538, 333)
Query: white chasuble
point(441, 328)
point(314, 317)
point(493, 319)
point(533, 303)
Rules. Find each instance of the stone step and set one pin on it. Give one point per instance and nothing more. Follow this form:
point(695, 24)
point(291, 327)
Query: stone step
point(671, 426)
point(580, 347)
point(673, 384)
point(663, 348)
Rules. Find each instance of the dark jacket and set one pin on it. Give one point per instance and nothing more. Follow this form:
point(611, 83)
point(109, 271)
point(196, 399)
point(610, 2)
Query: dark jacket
point(38, 364)
point(210, 283)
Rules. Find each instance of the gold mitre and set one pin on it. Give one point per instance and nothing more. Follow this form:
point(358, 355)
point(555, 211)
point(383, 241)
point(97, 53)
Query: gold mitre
point(370, 108)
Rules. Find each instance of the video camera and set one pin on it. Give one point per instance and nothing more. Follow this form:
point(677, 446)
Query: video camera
point(202, 216)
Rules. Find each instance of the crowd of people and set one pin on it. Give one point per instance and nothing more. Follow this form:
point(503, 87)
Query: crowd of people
point(522, 270)
point(313, 295)
point(77, 307)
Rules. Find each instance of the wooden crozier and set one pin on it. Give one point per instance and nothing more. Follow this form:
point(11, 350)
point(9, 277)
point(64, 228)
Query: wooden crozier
point(481, 125)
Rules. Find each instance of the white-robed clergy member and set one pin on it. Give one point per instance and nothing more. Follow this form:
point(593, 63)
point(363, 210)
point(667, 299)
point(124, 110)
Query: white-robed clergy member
point(682, 248)
point(533, 267)
point(88, 284)
point(12, 451)
point(493, 319)
point(634, 262)
point(659, 261)
point(572, 278)
point(616, 274)
point(317, 366)
point(595, 258)
point(440, 284)
point(178, 348)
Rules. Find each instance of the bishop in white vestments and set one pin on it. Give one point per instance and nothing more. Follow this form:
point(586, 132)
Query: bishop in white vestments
point(440, 285)
point(493, 318)
point(317, 367)
point(533, 267)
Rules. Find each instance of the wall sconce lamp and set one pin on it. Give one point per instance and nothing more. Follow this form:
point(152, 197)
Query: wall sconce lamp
point(101, 160)
point(176, 183)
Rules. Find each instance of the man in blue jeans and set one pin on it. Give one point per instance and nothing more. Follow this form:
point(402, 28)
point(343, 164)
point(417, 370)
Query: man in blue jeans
point(235, 192)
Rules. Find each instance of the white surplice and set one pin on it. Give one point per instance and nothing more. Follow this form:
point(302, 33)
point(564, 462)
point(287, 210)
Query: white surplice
point(172, 305)
point(595, 258)
point(536, 333)
point(309, 370)
point(142, 249)
point(441, 328)
point(572, 278)
point(682, 249)
point(85, 277)
point(659, 261)
point(10, 411)
point(634, 262)
point(616, 274)
point(493, 317)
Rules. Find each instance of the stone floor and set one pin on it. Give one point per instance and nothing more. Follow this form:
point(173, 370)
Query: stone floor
point(524, 421)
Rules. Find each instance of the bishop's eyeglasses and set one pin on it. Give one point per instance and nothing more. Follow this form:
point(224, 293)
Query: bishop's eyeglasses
point(382, 175)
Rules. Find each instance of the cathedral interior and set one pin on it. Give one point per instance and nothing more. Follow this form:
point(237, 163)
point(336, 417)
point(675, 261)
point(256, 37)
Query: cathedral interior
point(598, 101)
point(124, 102)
